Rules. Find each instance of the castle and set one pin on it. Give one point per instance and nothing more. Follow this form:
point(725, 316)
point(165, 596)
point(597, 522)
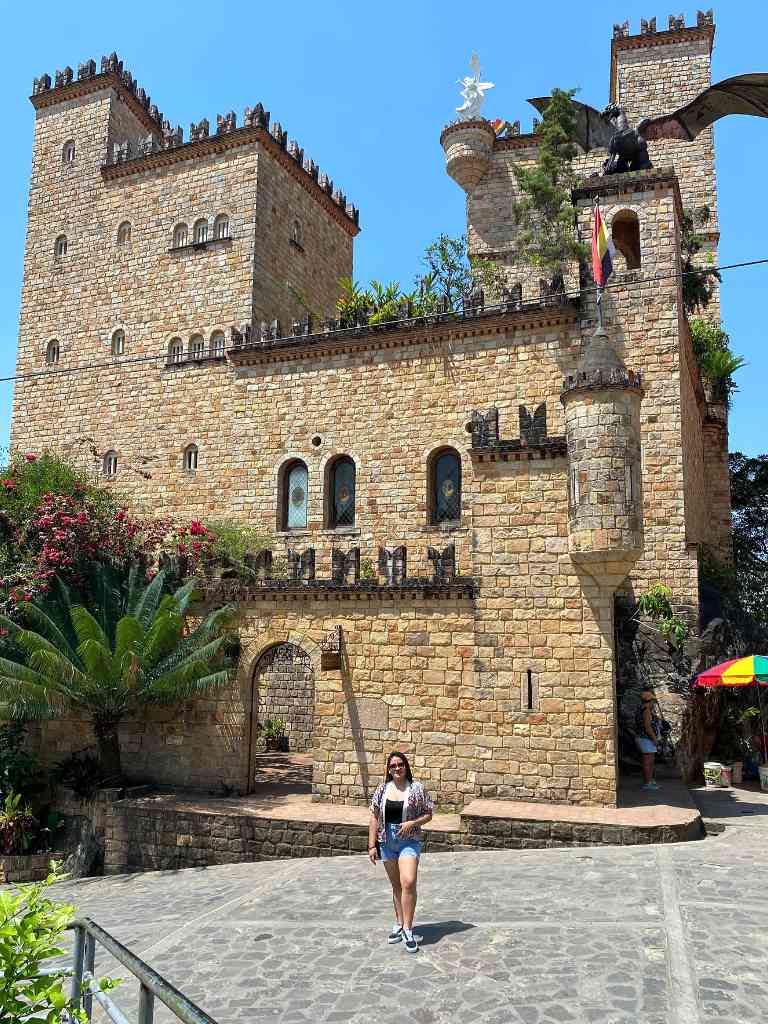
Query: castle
point(499, 473)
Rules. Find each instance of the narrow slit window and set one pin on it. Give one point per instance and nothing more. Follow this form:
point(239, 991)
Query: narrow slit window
point(118, 343)
point(109, 464)
point(445, 487)
point(190, 458)
point(68, 152)
point(60, 246)
point(529, 691)
point(52, 352)
point(124, 233)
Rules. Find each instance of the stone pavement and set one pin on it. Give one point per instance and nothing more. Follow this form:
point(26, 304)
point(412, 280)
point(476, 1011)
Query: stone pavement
point(670, 934)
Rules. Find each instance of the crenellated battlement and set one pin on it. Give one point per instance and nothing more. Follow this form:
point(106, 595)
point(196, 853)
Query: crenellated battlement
point(125, 157)
point(162, 137)
point(66, 86)
point(675, 25)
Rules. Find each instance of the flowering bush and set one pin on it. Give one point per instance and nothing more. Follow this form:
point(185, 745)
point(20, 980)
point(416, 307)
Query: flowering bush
point(54, 521)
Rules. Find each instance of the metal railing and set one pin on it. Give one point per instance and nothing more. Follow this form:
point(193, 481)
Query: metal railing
point(85, 987)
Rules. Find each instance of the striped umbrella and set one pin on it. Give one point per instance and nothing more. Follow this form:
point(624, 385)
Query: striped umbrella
point(736, 672)
point(740, 672)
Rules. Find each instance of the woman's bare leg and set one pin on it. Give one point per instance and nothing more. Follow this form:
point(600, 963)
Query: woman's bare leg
point(648, 767)
point(393, 873)
point(408, 868)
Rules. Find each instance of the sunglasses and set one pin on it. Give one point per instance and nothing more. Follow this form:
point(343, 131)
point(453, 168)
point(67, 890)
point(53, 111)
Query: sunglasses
point(396, 764)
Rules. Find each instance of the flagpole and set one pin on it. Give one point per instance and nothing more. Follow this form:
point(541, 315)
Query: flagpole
point(598, 286)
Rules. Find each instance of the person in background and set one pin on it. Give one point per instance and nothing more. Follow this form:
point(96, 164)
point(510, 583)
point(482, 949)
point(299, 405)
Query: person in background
point(399, 809)
point(647, 734)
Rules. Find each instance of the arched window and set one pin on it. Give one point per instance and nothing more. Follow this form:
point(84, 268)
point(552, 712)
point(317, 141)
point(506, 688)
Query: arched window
point(118, 343)
point(221, 226)
point(180, 236)
point(109, 464)
point(445, 487)
point(124, 233)
point(196, 347)
point(68, 152)
point(297, 233)
point(341, 493)
point(625, 231)
point(294, 500)
point(200, 233)
point(217, 343)
point(60, 246)
point(52, 352)
point(175, 350)
point(190, 458)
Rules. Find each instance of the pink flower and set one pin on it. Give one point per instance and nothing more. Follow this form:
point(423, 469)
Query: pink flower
point(9, 485)
point(30, 457)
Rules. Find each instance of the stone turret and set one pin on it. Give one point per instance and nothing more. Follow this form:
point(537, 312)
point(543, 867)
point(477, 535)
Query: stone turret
point(468, 147)
point(602, 423)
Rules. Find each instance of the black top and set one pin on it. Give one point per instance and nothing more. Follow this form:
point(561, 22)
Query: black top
point(393, 812)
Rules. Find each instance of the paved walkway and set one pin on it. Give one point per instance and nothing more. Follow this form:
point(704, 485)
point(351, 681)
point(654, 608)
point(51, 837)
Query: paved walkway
point(627, 935)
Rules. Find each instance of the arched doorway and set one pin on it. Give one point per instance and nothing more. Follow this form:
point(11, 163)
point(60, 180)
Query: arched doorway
point(283, 686)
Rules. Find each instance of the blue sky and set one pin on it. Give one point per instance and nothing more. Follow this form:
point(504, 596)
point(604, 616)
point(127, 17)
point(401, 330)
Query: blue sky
point(366, 88)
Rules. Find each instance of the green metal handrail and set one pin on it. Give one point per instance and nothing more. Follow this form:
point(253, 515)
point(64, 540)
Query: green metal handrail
point(152, 985)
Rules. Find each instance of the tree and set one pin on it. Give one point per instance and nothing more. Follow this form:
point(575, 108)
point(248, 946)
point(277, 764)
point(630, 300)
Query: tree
point(749, 499)
point(133, 648)
point(546, 235)
point(452, 273)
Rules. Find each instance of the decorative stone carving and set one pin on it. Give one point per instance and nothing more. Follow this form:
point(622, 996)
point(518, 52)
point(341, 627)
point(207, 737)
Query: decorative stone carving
point(705, 18)
point(485, 428)
point(227, 123)
point(260, 564)
point(647, 28)
point(676, 24)
point(330, 649)
point(295, 150)
point(86, 70)
point(41, 84)
point(443, 562)
point(473, 301)
point(199, 131)
point(172, 136)
point(621, 31)
point(344, 563)
point(64, 77)
point(311, 168)
point(533, 428)
point(111, 64)
point(301, 564)
point(393, 564)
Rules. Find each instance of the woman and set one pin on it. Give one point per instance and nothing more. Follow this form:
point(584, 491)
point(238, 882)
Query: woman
point(647, 729)
point(399, 808)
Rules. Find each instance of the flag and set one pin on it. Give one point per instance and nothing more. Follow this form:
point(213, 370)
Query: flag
point(602, 251)
point(499, 126)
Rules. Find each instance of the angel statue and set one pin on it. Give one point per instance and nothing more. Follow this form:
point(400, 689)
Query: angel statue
point(627, 147)
point(473, 92)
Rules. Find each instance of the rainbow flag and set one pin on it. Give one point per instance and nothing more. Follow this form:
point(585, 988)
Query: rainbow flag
point(602, 251)
point(499, 126)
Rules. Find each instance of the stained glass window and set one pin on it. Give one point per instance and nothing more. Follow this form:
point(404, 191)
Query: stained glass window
point(296, 497)
point(446, 489)
point(343, 493)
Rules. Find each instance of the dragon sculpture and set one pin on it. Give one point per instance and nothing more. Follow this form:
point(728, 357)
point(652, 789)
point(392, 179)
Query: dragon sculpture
point(627, 146)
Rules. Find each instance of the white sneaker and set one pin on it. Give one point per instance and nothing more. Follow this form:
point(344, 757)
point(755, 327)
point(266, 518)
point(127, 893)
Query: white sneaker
point(411, 941)
point(397, 935)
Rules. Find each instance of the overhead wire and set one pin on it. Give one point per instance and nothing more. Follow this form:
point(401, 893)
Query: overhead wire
point(117, 363)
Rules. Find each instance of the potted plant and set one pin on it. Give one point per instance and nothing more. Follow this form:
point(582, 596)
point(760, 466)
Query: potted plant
point(274, 734)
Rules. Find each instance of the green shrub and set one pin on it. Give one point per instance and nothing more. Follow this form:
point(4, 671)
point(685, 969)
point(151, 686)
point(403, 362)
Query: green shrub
point(20, 772)
point(31, 927)
point(232, 542)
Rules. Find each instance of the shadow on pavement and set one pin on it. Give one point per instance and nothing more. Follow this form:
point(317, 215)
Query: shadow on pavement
point(433, 933)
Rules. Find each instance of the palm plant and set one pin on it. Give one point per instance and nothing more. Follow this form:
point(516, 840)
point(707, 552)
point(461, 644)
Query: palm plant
point(132, 648)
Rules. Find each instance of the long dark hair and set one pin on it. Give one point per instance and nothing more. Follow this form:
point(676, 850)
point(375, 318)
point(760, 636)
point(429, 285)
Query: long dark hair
point(404, 759)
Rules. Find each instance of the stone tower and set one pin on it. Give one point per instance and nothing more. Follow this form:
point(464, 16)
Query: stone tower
point(602, 428)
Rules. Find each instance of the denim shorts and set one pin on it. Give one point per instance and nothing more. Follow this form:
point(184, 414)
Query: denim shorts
point(644, 745)
point(393, 848)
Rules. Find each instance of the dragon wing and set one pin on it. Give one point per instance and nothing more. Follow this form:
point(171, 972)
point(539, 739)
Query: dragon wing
point(744, 94)
point(593, 131)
